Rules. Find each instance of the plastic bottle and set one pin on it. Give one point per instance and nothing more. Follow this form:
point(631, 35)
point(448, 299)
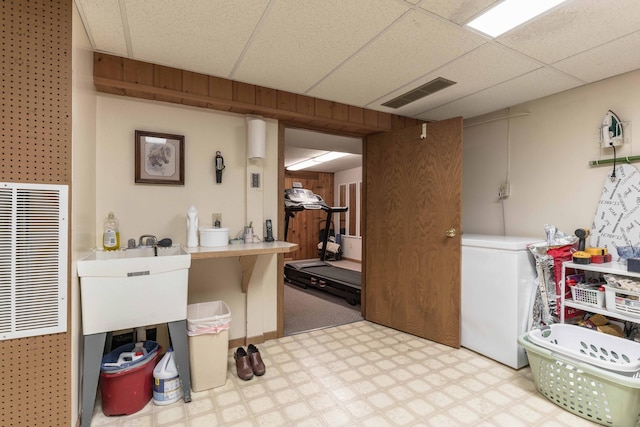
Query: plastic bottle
point(192, 227)
point(139, 349)
point(167, 388)
point(111, 235)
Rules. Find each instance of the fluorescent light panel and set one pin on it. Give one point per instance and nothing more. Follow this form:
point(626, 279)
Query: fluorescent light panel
point(509, 14)
point(331, 155)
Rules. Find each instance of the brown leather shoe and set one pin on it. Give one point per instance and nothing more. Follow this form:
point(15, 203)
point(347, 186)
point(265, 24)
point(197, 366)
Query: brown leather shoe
point(256, 361)
point(243, 365)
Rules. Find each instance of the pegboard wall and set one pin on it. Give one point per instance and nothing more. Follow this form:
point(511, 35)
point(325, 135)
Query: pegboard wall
point(35, 127)
point(36, 91)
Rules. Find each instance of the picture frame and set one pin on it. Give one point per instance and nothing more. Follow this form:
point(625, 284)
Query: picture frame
point(159, 158)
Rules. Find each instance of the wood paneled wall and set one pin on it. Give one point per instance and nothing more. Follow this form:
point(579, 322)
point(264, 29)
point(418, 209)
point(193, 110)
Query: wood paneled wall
point(36, 148)
point(305, 228)
point(123, 76)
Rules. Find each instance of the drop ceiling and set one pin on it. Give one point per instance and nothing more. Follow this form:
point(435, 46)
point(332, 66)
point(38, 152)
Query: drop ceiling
point(368, 52)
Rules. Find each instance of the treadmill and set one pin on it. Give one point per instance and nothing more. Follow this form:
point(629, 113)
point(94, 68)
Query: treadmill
point(318, 274)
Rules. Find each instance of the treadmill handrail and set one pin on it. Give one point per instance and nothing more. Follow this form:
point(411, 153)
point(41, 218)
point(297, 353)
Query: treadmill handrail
point(335, 209)
point(291, 207)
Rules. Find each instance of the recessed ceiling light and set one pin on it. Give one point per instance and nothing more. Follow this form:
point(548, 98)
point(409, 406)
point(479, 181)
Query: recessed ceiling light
point(331, 155)
point(509, 14)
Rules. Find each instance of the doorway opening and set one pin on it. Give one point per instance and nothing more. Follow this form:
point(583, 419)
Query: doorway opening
point(307, 305)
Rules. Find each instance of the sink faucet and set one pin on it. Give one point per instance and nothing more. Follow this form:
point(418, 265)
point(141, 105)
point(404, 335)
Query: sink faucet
point(151, 240)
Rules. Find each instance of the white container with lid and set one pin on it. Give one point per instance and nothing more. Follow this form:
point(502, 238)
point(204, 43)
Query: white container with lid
point(211, 237)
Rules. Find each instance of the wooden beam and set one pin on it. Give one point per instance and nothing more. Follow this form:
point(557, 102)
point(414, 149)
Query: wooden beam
point(123, 76)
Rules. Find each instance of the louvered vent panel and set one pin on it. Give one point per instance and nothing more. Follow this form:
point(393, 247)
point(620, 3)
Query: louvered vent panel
point(33, 264)
point(420, 92)
point(6, 239)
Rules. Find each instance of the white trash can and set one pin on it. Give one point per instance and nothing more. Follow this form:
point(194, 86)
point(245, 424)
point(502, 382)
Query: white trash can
point(208, 336)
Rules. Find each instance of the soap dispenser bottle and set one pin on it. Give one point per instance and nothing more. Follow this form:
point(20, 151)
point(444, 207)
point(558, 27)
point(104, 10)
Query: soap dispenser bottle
point(111, 234)
point(192, 227)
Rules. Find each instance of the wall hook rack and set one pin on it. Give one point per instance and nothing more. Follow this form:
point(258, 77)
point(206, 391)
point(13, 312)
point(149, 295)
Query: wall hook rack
point(627, 159)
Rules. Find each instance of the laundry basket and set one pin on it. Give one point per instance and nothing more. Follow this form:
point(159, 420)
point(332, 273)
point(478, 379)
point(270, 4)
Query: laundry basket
point(605, 351)
point(595, 394)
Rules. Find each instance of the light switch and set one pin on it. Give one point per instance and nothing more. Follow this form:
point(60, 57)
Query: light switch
point(255, 180)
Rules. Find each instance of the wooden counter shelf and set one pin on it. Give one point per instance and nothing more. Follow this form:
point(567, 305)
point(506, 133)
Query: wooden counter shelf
point(247, 254)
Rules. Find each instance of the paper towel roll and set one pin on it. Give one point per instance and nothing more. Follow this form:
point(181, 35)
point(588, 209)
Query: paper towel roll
point(256, 138)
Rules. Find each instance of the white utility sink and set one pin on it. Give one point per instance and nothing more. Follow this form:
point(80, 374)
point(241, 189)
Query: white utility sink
point(135, 261)
point(133, 287)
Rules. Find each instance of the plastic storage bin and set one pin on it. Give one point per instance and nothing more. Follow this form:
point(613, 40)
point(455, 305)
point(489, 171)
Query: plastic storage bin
point(622, 301)
point(208, 336)
point(589, 392)
point(605, 351)
point(127, 388)
point(588, 296)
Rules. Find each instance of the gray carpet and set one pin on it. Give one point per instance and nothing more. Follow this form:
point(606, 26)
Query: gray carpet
point(310, 309)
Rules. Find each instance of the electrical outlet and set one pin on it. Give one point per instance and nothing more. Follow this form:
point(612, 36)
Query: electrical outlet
point(216, 217)
point(504, 191)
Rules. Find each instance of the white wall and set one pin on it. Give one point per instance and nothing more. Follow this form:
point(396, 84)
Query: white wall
point(545, 154)
point(103, 180)
point(161, 209)
point(83, 130)
point(351, 246)
point(83, 162)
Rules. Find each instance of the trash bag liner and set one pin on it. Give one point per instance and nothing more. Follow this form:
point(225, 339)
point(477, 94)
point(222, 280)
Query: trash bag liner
point(208, 318)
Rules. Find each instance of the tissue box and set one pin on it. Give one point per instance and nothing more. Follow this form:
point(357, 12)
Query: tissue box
point(633, 264)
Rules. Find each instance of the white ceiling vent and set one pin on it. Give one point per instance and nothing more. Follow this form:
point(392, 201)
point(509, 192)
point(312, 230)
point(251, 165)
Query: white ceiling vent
point(420, 92)
point(33, 259)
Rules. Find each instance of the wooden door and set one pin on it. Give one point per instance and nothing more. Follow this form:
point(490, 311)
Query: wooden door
point(412, 197)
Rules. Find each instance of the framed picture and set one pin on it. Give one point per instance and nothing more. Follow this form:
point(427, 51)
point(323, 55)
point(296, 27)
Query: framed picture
point(159, 158)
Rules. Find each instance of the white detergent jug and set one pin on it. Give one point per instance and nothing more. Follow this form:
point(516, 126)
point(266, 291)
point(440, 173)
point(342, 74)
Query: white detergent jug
point(138, 352)
point(192, 227)
point(167, 388)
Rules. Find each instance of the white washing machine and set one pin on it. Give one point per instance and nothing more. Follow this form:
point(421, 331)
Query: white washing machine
point(498, 275)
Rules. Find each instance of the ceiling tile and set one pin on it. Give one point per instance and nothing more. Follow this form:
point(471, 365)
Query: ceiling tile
point(417, 44)
point(482, 68)
point(365, 52)
point(302, 138)
point(103, 23)
point(458, 11)
point(573, 27)
point(205, 36)
point(605, 60)
point(536, 84)
point(301, 41)
point(295, 155)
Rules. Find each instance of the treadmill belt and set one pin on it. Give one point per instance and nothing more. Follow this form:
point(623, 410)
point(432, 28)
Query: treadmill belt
point(320, 275)
point(348, 277)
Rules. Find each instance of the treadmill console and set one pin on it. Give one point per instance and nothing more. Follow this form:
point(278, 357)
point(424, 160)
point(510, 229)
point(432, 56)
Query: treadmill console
point(303, 198)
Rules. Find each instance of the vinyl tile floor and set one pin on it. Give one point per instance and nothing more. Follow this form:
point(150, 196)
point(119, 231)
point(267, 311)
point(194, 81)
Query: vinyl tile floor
point(362, 374)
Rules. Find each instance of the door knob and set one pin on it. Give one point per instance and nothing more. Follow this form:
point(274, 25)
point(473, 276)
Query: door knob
point(450, 232)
